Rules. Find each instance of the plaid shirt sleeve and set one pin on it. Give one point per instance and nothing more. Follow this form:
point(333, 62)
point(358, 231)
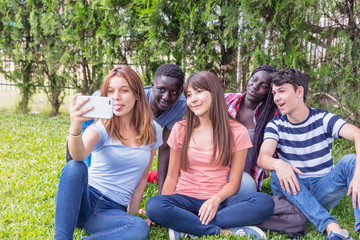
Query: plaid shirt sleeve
point(233, 101)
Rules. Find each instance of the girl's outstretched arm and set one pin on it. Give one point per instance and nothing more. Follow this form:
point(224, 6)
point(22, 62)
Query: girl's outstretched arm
point(172, 174)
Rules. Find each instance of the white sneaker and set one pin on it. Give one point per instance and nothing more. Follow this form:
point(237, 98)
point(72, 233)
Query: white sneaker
point(174, 235)
point(249, 231)
point(340, 234)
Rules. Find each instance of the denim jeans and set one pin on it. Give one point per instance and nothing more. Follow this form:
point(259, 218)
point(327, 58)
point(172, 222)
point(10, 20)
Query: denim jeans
point(319, 194)
point(248, 184)
point(80, 205)
point(179, 212)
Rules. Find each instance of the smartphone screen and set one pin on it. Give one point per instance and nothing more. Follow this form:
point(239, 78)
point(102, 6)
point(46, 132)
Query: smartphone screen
point(103, 107)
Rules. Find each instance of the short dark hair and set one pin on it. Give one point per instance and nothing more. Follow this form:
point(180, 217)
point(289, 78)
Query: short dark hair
point(292, 76)
point(266, 68)
point(170, 70)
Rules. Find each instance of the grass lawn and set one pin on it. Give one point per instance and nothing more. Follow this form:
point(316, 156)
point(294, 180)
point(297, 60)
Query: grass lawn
point(32, 154)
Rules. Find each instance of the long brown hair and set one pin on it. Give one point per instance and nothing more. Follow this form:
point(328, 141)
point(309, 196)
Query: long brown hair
point(141, 118)
point(219, 116)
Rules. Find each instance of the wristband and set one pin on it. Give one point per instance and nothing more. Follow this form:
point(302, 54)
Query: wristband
point(75, 135)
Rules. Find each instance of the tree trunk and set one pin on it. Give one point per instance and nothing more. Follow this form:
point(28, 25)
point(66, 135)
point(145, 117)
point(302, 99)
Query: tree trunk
point(25, 88)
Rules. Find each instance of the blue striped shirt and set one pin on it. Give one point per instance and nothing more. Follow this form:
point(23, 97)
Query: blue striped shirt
point(306, 145)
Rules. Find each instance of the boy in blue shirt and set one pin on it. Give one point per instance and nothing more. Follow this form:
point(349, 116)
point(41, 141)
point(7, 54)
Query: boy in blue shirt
point(168, 106)
point(305, 172)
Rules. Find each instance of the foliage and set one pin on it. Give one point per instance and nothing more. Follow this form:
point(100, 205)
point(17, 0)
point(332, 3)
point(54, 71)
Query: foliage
point(196, 35)
point(17, 44)
point(31, 157)
point(319, 38)
point(85, 52)
point(50, 74)
point(55, 43)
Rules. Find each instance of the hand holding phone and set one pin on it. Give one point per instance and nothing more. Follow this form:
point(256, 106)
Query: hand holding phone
point(103, 107)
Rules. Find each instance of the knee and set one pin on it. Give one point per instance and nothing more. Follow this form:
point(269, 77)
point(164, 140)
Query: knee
point(154, 207)
point(151, 207)
point(247, 184)
point(274, 181)
point(74, 169)
point(274, 177)
point(347, 165)
point(348, 160)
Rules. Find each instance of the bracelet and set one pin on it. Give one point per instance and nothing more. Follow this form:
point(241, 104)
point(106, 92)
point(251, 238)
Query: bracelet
point(75, 135)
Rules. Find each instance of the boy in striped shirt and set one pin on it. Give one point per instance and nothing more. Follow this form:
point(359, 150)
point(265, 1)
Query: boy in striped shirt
point(305, 172)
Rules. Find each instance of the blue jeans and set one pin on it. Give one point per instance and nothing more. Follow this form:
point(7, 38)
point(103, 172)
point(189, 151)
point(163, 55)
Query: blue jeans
point(85, 125)
point(80, 205)
point(248, 184)
point(318, 194)
point(179, 212)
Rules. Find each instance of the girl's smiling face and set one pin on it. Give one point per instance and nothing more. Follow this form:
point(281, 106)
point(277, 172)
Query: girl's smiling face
point(258, 87)
point(199, 101)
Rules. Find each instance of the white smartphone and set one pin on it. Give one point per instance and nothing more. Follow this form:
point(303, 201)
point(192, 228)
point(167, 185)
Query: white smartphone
point(103, 106)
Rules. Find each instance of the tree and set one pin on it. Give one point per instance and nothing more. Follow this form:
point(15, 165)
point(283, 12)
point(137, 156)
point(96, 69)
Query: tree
point(84, 56)
point(318, 37)
point(50, 74)
point(80, 42)
point(196, 35)
point(17, 44)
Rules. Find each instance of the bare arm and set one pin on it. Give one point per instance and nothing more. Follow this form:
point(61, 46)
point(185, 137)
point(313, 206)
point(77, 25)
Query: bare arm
point(163, 159)
point(173, 173)
point(265, 159)
point(209, 208)
point(136, 197)
point(352, 133)
point(284, 171)
point(79, 146)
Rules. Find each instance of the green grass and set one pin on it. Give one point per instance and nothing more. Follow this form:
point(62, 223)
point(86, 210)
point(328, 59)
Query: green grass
point(32, 154)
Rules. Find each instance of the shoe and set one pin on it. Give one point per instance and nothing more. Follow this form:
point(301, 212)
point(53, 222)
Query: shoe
point(249, 231)
point(341, 234)
point(174, 235)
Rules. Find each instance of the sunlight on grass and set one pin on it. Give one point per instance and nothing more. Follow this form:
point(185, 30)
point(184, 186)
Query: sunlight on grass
point(32, 154)
point(38, 103)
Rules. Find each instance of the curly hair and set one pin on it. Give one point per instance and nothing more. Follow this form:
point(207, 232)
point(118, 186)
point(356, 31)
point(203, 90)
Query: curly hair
point(170, 70)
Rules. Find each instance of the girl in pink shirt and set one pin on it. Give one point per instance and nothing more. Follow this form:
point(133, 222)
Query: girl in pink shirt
point(202, 200)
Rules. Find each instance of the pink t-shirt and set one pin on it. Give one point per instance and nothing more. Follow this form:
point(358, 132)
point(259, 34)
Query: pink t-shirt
point(203, 180)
